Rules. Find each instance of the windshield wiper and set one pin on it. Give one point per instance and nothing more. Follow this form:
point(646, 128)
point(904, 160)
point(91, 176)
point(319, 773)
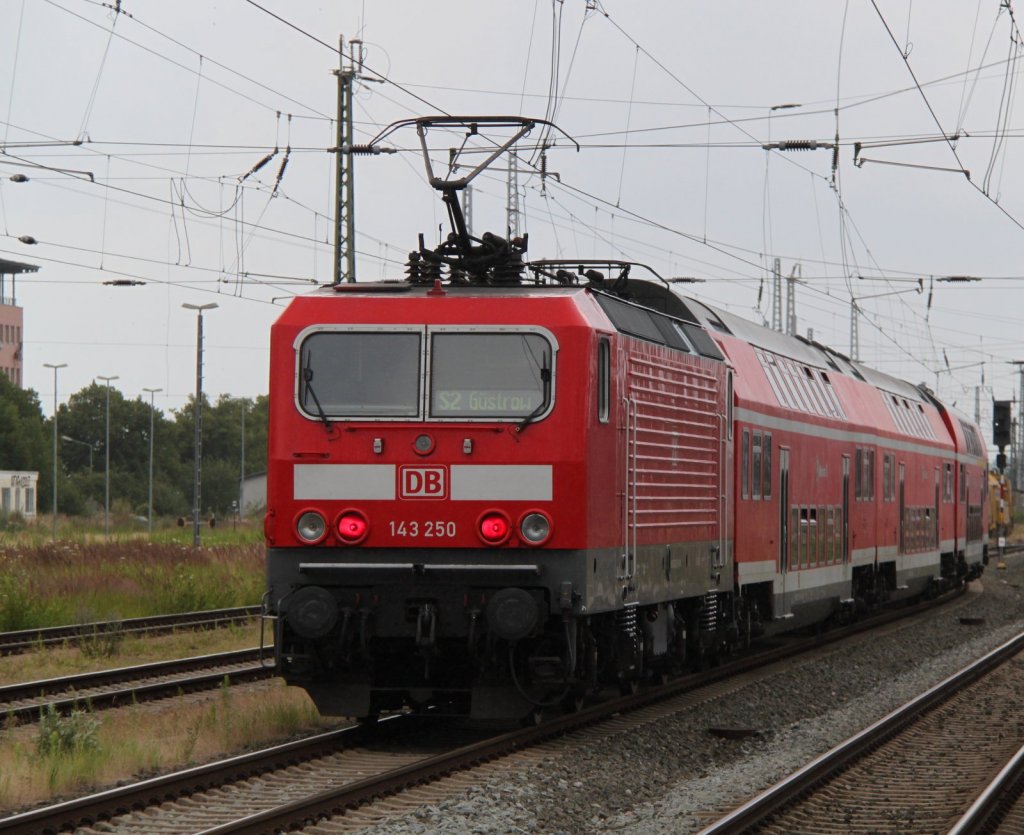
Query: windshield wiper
point(545, 376)
point(307, 379)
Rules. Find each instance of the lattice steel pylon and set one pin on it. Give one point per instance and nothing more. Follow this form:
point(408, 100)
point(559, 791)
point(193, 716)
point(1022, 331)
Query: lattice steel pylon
point(795, 276)
point(512, 197)
point(777, 295)
point(344, 197)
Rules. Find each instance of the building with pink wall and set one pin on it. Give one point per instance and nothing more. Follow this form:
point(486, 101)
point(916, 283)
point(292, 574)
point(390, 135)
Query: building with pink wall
point(11, 320)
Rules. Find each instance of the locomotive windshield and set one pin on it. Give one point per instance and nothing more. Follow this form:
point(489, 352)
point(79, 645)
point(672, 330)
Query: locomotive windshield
point(355, 374)
point(501, 375)
point(471, 375)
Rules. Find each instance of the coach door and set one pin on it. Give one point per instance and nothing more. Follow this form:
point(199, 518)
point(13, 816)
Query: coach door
point(902, 510)
point(846, 510)
point(785, 531)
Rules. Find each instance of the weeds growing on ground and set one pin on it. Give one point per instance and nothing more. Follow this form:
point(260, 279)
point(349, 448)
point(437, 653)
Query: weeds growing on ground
point(64, 735)
point(67, 582)
point(142, 740)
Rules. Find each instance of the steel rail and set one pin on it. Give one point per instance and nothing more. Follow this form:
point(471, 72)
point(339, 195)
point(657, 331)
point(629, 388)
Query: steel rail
point(987, 811)
point(104, 805)
point(27, 639)
point(773, 799)
point(101, 806)
point(134, 677)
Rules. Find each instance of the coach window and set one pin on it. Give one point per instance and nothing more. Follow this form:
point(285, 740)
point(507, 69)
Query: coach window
point(858, 474)
point(795, 534)
point(604, 379)
point(812, 536)
point(963, 482)
point(869, 474)
point(745, 465)
point(947, 483)
point(756, 468)
point(766, 456)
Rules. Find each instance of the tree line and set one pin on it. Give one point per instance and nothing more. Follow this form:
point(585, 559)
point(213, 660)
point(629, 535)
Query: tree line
point(26, 443)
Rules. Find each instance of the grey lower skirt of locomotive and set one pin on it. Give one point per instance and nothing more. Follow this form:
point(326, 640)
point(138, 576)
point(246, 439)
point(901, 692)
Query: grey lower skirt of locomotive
point(498, 639)
point(488, 637)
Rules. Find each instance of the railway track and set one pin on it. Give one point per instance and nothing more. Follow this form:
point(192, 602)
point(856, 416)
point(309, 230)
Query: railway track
point(144, 682)
point(1000, 807)
point(287, 786)
point(915, 770)
point(25, 640)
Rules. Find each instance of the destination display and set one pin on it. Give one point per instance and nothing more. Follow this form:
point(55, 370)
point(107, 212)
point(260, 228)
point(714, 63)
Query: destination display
point(498, 403)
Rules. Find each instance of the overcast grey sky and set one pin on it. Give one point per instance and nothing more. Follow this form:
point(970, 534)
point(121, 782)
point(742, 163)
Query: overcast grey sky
point(671, 102)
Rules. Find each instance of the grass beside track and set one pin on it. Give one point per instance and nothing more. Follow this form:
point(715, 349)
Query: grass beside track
point(87, 579)
point(57, 583)
point(61, 661)
point(88, 752)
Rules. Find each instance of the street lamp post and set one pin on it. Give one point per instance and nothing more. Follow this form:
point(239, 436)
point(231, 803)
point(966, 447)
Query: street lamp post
point(69, 439)
point(241, 469)
point(106, 469)
point(55, 366)
point(152, 409)
point(198, 442)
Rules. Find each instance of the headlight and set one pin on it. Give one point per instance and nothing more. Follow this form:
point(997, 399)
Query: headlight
point(535, 528)
point(311, 527)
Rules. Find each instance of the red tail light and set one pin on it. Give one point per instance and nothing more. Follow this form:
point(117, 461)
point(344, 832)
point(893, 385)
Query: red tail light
point(352, 527)
point(494, 527)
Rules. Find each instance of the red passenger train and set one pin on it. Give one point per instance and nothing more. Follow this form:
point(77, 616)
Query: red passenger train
point(498, 486)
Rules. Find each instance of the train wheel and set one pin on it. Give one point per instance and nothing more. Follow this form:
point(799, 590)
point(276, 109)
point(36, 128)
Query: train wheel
point(532, 719)
point(629, 686)
point(701, 658)
point(574, 701)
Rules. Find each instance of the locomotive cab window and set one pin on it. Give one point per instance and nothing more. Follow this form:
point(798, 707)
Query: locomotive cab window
point(475, 374)
point(604, 379)
point(360, 374)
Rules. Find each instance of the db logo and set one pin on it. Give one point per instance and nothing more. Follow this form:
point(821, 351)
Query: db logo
point(422, 483)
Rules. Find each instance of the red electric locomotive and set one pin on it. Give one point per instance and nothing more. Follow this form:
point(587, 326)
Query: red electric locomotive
point(498, 486)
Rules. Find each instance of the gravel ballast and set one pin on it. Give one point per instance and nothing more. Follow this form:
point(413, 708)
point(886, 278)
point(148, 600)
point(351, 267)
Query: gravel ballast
point(674, 776)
